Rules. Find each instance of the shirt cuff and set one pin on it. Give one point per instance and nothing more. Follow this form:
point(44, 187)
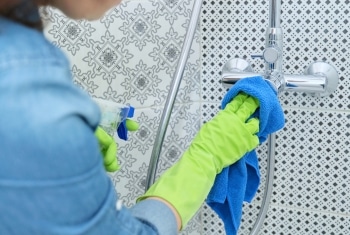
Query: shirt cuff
point(156, 213)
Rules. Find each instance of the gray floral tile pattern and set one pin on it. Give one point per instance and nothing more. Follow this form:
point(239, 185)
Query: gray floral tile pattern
point(71, 35)
point(141, 27)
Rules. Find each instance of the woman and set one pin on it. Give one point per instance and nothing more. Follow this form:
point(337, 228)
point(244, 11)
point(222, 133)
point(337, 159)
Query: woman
point(52, 179)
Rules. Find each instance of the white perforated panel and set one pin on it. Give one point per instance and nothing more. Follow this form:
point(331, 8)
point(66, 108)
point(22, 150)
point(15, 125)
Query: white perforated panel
point(311, 182)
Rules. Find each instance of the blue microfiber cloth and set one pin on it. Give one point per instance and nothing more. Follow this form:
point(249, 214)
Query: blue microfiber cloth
point(240, 181)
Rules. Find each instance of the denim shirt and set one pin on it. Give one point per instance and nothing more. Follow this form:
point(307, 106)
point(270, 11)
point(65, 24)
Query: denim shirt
point(52, 179)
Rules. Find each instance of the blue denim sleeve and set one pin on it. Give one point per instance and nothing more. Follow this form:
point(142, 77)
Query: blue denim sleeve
point(52, 179)
point(156, 213)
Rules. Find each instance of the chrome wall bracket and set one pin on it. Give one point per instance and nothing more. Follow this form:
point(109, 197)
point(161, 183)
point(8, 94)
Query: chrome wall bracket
point(319, 78)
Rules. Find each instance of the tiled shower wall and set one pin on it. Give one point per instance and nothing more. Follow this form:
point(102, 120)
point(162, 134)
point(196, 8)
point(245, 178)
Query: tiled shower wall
point(312, 173)
point(129, 56)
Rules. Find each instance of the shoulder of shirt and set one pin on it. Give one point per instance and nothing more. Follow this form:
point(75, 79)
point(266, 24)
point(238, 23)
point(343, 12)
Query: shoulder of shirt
point(19, 42)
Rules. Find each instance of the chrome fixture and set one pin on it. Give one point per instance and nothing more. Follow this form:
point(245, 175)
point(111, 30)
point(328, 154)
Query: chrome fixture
point(319, 79)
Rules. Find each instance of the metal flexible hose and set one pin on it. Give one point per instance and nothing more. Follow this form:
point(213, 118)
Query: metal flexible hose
point(174, 87)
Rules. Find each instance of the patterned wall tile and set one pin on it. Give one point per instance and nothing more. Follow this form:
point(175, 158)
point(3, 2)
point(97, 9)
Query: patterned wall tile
point(286, 221)
point(230, 29)
point(317, 31)
point(130, 55)
point(312, 161)
point(312, 171)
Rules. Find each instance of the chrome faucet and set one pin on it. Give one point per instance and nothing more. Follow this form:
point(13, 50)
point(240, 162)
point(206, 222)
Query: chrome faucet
point(319, 79)
point(272, 55)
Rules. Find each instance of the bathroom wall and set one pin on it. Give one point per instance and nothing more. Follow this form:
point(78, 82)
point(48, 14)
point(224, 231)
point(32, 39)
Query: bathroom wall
point(312, 173)
point(129, 56)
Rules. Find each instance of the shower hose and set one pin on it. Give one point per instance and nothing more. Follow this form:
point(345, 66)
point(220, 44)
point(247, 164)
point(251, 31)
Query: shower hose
point(168, 107)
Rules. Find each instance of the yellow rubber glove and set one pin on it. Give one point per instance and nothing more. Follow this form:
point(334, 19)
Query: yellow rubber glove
point(108, 149)
point(219, 143)
point(108, 146)
point(131, 125)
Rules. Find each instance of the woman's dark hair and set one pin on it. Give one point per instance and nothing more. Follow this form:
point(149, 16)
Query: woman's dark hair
point(25, 12)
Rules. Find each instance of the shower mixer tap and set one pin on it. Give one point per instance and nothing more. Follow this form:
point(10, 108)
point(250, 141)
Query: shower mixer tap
point(319, 79)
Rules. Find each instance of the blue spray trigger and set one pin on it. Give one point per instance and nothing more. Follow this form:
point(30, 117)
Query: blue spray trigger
point(122, 131)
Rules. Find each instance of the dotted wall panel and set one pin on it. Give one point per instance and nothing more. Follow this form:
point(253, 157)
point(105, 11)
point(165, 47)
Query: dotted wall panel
point(311, 182)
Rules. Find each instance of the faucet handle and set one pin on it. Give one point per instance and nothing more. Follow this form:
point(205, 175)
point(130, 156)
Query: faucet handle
point(270, 55)
point(257, 56)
